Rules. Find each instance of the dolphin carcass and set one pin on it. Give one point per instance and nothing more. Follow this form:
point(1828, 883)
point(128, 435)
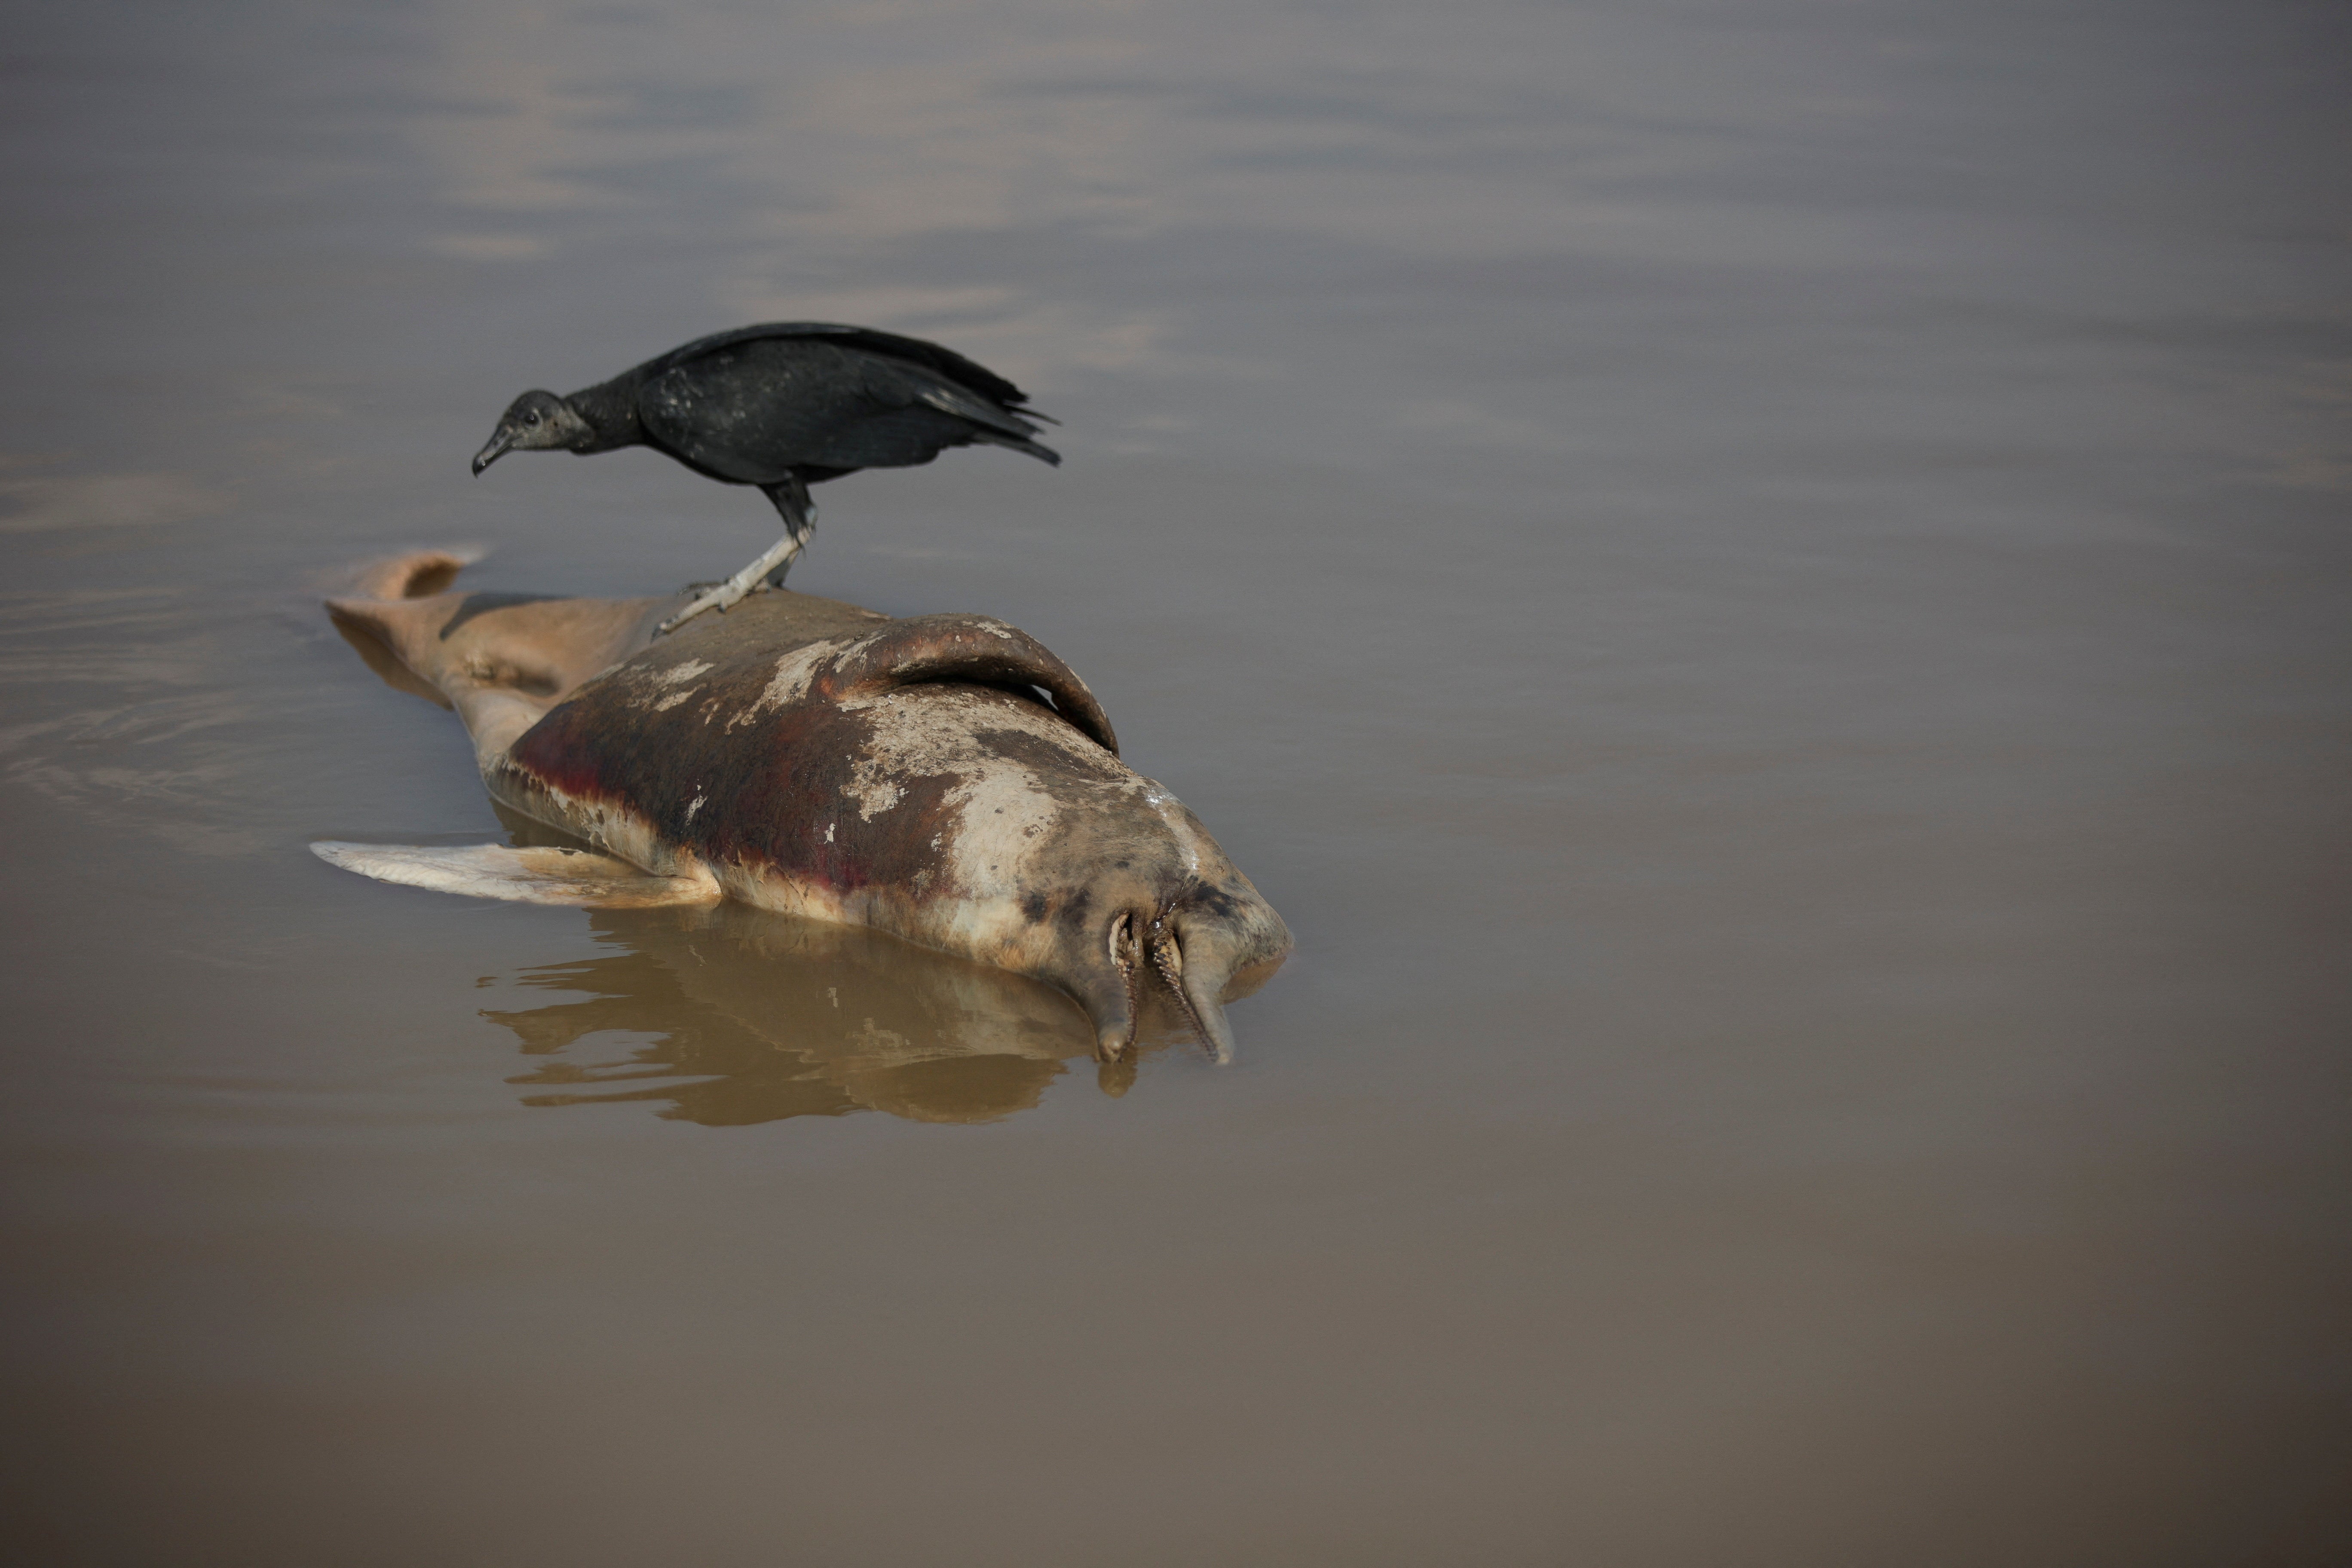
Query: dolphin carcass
point(943, 778)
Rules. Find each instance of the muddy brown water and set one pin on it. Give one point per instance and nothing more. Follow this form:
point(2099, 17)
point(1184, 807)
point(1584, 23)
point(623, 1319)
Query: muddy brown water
point(1765, 587)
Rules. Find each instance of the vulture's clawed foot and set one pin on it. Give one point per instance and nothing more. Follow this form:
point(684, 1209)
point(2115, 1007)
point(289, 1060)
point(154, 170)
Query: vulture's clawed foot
point(767, 571)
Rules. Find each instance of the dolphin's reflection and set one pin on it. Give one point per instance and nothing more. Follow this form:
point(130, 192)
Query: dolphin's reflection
point(775, 1016)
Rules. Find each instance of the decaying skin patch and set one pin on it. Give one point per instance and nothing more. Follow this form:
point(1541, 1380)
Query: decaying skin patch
point(944, 778)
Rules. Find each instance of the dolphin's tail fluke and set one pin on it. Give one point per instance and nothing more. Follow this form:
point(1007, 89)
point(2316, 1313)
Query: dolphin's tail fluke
point(419, 574)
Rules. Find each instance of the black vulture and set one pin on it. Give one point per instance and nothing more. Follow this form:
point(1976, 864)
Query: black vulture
point(781, 406)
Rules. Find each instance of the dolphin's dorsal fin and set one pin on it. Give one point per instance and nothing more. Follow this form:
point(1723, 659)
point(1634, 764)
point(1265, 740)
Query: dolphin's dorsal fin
point(580, 879)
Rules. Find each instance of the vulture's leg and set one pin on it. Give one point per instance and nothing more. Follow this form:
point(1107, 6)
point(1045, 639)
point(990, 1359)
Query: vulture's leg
point(791, 499)
point(799, 512)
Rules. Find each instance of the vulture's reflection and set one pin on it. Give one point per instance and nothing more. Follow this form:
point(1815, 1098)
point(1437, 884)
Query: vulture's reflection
point(772, 1016)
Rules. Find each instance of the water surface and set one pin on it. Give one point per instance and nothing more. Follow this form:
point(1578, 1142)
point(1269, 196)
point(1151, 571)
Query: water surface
point(1767, 587)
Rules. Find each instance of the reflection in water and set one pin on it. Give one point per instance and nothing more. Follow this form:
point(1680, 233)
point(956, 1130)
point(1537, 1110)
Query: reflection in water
point(777, 1017)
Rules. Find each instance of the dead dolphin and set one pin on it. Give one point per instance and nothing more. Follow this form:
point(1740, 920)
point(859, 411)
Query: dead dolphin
point(943, 778)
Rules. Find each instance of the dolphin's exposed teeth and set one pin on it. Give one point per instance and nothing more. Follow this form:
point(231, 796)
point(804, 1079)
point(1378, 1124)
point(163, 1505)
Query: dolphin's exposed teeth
point(1123, 946)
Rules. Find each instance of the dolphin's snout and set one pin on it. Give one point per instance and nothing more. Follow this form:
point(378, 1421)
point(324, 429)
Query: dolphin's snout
point(1141, 945)
point(1191, 941)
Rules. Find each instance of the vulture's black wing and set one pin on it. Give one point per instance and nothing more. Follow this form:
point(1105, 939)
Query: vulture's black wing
point(945, 364)
point(757, 407)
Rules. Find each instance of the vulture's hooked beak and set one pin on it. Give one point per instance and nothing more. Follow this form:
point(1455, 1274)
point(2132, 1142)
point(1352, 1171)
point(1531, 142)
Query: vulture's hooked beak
point(500, 445)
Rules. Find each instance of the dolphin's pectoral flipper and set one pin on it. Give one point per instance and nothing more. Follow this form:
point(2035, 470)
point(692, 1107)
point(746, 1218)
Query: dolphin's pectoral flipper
point(574, 877)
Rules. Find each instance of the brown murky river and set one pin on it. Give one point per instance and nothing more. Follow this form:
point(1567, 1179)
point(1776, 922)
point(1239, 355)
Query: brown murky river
point(1768, 587)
